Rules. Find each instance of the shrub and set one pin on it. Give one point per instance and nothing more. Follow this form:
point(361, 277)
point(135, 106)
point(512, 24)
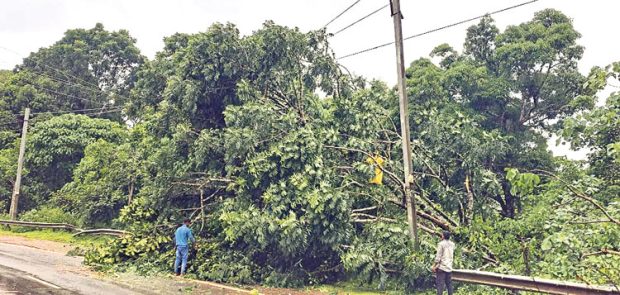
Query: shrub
point(49, 214)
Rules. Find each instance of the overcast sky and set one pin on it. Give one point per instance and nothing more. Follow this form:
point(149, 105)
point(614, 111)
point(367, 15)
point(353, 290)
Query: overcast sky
point(27, 25)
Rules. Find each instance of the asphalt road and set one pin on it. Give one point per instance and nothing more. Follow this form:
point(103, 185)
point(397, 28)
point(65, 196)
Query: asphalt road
point(13, 281)
point(30, 271)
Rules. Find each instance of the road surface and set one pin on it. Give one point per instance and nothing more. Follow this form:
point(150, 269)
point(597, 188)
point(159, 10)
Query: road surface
point(13, 281)
point(25, 270)
point(32, 267)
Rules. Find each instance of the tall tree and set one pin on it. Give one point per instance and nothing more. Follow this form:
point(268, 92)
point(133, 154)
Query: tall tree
point(91, 68)
point(518, 83)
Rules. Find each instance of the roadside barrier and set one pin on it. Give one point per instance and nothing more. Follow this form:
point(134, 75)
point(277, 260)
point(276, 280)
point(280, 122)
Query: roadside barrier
point(64, 226)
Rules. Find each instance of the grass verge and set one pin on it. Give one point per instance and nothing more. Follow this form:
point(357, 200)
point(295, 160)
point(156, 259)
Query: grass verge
point(348, 288)
point(55, 236)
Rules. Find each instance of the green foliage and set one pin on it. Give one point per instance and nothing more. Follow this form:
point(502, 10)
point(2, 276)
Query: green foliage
point(278, 176)
point(127, 247)
point(599, 131)
point(383, 251)
point(487, 104)
point(144, 242)
point(50, 215)
point(8, 166)
point(521, 183)
point(91, 68)
point(86, 69)
point(104, 181)
point(575, 240)
point(231, 132)
point(57, 145)
point(64, 138)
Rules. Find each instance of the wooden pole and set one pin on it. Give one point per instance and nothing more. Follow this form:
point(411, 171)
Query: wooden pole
point(404, 123)
point(20, 165)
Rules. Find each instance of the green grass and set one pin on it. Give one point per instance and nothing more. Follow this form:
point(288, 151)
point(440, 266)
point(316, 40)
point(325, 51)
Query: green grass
point(343, 291)
point(54, 235)
point(346, 288)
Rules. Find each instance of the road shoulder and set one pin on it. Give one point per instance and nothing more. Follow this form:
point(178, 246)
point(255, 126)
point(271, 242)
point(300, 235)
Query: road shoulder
point(57, 247)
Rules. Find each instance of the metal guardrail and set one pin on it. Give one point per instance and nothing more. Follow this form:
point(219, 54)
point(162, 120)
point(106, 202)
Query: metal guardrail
point(64, 226)
point(102, 231)
point(38, 224)
point(530, 284)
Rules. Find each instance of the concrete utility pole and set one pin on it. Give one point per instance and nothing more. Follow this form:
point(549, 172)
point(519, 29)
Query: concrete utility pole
point(412, 217)
point(20, 165)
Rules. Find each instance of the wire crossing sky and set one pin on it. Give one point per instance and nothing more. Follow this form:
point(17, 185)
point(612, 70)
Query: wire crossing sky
point(440, 28)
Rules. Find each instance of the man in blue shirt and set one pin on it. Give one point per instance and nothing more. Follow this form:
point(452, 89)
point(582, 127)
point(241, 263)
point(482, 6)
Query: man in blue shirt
point(182, 236)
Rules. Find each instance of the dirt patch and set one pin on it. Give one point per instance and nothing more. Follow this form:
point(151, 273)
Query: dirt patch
point(38, 244)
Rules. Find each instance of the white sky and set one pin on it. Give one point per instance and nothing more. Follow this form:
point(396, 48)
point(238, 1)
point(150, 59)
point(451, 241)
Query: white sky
point(27, 25)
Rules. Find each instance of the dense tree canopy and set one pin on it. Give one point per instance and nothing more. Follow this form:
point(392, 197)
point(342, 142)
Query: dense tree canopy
point(89, 64)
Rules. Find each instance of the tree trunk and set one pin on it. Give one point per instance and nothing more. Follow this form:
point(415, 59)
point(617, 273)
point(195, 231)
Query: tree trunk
point(508, 207)
point(469, 204)
point(131, 188)
point(202, 209)
point(526, 258)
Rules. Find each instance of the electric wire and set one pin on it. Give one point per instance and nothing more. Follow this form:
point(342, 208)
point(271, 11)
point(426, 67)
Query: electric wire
point(80, 111)
point(64, 94)
point(438, 29)
point(50, 67)
point(340, 14)
point(359, 20)
point(90, 86)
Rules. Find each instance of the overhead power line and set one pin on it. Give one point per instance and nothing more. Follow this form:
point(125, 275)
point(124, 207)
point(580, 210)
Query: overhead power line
point(64, 82)
point(67, 75)
point(340, 14)
point(102, 109)
point(95, 114)
point(439, 28)
point(43, 74)
point(50, 67)
point(93, 88)
point(78, 81)
point(65, 94)
point(82, 111)
point(361, 19)
point(105, 112)
point(90, 113)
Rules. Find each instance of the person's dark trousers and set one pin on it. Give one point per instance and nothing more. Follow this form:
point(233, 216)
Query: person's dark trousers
point(444, 280)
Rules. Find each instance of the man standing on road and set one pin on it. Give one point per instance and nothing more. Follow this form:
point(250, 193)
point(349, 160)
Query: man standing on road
point(443, 264)
point(182, 236)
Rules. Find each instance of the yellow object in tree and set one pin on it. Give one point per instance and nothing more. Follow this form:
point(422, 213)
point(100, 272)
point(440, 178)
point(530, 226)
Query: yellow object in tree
point(376, 161)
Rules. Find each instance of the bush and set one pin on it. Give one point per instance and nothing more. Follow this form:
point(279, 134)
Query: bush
point(4, 207)
point(49, 214)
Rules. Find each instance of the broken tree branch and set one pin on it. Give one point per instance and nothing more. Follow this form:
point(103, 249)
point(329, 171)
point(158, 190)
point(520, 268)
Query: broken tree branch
point(581, 195)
